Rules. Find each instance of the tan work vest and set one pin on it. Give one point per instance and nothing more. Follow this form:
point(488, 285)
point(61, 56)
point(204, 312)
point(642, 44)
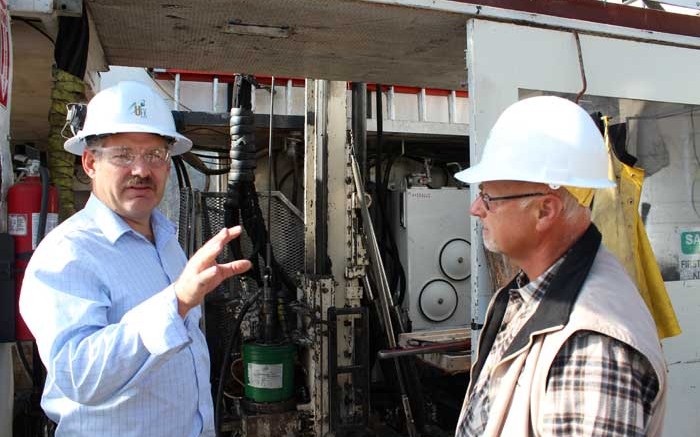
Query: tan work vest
point(608, 303)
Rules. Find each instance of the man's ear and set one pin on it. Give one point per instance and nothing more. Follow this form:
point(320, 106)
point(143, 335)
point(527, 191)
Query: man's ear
point(89, 163)
point(550, 211)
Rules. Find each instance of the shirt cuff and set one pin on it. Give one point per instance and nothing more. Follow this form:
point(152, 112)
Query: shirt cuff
point(158, 323)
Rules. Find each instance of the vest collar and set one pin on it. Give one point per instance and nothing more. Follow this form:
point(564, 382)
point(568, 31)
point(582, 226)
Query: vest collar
point(556, 305)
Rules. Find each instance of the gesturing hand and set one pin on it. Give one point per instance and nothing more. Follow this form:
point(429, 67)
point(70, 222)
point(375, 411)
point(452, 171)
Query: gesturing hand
point(202, 274)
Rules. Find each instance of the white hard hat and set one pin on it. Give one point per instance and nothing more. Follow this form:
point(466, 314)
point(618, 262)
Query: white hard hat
point(128, 107)
point(543, 139)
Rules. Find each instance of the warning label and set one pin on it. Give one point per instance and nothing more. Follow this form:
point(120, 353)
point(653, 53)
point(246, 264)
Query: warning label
point(265, 375)
point(51, 222)
point(17, 224)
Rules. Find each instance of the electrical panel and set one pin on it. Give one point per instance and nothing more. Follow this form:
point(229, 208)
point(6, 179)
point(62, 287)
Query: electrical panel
point(432, 230)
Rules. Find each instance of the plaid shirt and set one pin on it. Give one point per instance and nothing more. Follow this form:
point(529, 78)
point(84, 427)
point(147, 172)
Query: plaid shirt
point(597, 385)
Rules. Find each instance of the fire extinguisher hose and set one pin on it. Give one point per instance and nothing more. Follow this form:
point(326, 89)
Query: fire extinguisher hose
point(41, 231)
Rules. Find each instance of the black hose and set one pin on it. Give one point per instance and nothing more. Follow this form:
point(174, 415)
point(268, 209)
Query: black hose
point(398, 274)
point(185, 173)
point(294, 172)
point(180, 164)
point(180, 182)
point(242, 204)
point(218, 405)
point(195, 161)
point(229, 97)
point(44, 173)
point(284, 179)
point(295, 184)
point(242, 168)
point(379, 191)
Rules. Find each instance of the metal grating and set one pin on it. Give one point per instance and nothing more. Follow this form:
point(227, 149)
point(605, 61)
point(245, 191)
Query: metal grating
point(201, 216)
point(286, 232)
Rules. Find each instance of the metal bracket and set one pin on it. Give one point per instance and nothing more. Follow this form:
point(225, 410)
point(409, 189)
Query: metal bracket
point(69, 8)
point(356, 258)
point(344, 423)
point(34, 8)
point(30, 7)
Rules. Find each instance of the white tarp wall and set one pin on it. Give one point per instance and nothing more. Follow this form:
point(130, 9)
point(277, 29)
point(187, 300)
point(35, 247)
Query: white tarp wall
point(504, 59)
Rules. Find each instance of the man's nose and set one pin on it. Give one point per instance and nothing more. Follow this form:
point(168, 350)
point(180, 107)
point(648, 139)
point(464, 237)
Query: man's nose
point(478, 208)
point(140, 166)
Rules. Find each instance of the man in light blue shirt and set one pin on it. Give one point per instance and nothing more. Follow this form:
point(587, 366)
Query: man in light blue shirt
point(109, 295)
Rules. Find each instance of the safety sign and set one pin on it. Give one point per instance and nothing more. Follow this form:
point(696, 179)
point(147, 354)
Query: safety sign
point(689, 254)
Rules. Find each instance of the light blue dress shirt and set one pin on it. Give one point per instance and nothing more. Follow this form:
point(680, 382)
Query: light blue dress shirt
point(121, 362)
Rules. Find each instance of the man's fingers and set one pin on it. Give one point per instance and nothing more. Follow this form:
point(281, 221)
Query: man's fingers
point(199, 278)
point(211, 277)
point(206, 277)
point(236, 267)
point(212, 248)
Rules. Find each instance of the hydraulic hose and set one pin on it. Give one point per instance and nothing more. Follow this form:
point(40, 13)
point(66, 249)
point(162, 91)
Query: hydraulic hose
point(242, 169)
point(182, 174)
point(242, 204)
point(180, 181)
point(218, 405)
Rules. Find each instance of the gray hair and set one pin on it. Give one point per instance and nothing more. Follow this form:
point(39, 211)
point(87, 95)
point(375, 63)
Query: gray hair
point(94, 142)
point(572, 208)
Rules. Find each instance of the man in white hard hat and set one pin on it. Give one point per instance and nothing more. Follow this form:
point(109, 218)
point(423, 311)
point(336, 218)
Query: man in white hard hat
point(568, 347)
point(109, 295)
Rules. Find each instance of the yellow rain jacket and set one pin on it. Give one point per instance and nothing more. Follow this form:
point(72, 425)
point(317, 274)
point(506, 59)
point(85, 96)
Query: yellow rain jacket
point(616, 214)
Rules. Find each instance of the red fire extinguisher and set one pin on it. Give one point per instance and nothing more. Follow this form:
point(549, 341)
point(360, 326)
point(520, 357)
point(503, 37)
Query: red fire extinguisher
point(32, 211)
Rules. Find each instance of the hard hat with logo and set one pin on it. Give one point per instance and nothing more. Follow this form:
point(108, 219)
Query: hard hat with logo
point(128, 107)
point(543, 139)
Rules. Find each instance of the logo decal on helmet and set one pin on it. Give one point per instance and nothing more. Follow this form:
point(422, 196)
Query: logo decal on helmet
point(127, 107)
point(139, 108)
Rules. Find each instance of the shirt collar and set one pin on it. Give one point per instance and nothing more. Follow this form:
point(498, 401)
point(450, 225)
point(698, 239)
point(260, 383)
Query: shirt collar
point(530, 290)
point(113, 226)
point(163, 228)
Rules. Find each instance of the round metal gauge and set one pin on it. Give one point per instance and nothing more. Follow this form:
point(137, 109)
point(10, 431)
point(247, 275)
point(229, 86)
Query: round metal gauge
point(438, 300)
point(455, 259)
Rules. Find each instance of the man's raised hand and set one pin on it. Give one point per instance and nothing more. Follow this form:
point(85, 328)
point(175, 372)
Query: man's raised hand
point(202, 274)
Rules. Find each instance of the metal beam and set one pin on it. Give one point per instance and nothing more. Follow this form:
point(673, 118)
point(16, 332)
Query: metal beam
point(593, 11)
point(315, 176)
point(358, 122)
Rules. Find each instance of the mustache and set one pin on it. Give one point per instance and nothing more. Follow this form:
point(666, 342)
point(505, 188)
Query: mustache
point(136, 181)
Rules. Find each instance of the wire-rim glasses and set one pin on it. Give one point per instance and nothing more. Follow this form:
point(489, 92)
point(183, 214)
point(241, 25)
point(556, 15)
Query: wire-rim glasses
point(486, 198)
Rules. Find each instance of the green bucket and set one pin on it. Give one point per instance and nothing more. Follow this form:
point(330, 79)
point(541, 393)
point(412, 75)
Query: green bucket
point(268, 371)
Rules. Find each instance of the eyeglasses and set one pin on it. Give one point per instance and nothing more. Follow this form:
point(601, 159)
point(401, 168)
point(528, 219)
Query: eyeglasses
point(486, 198)
point(126, 157)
